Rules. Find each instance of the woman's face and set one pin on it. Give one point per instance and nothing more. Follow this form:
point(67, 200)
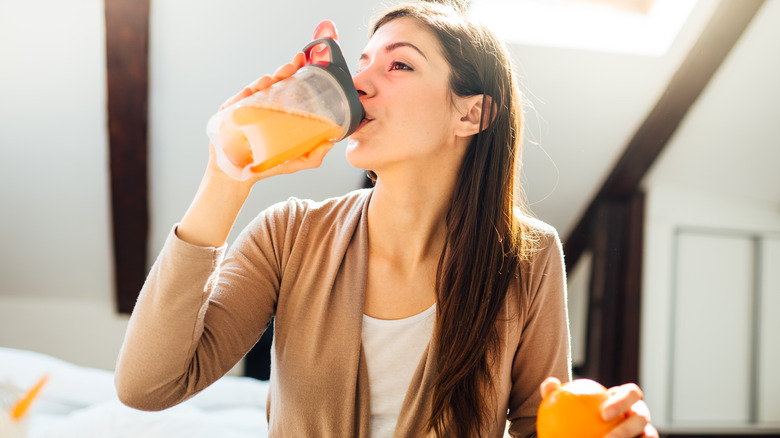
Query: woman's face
point(403, 81)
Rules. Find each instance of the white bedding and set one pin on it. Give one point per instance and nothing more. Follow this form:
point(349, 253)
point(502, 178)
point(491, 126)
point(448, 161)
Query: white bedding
point(79, 402)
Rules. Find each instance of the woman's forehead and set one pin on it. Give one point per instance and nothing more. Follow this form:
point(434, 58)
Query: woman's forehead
point(404, 30)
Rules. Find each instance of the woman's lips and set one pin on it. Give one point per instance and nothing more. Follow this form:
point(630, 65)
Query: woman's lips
point(363, 123)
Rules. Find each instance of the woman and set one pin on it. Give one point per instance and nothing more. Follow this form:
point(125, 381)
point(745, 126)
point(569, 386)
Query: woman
point(428, 305)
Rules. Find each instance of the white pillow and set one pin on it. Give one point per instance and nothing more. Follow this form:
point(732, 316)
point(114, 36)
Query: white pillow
point(69, 386)
point(73, 387)
point(112, 419)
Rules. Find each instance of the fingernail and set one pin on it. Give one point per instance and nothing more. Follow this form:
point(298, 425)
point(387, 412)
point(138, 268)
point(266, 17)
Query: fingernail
point(608, 414)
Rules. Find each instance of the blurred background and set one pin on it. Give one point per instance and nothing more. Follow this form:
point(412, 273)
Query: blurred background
point(651, 144)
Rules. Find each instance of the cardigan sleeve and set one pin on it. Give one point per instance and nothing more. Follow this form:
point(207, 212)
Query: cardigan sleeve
point(197, 315)
point(543, 349)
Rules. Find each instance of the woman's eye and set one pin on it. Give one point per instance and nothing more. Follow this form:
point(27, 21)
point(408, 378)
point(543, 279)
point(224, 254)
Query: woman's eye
point(396, 65)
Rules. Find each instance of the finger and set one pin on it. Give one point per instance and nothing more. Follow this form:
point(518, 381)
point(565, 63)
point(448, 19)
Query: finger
point(320, 52)
point(283, 72)
point(650, 432)
point(299, 60)
point(288, 70)
point(260, 84)
point(318, 154)
point(549, 385)
point(246, 92)
point(326, 29)
point(310, 160)
point(621, 399)
point(635, 424)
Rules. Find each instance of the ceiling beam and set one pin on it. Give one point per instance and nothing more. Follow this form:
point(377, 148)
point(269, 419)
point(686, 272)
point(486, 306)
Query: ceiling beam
point(127, 43)
point(724, 29)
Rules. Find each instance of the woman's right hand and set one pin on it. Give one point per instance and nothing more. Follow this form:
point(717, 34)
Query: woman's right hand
point(326, 29)
point(308, 161)
point(220, 197)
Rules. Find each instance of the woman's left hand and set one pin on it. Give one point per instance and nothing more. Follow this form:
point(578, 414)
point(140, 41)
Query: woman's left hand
point(624, 400)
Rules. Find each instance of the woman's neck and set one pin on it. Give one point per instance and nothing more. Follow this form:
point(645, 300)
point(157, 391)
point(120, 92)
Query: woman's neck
point(407, 219)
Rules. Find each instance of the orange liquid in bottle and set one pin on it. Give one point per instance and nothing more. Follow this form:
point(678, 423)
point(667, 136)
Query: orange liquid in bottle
point(265, 137)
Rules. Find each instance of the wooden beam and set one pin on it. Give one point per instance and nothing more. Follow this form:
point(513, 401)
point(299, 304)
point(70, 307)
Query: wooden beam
point(630, 274)
point(127, 41)
point(612, 341)
point(728, 23)
point(602, 302)
point(612, 225)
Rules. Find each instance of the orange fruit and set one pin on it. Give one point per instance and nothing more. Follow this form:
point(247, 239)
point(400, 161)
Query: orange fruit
point(573, 410)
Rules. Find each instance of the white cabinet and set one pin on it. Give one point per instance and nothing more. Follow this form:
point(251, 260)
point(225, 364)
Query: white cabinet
point(768, 397)
point(725, 335)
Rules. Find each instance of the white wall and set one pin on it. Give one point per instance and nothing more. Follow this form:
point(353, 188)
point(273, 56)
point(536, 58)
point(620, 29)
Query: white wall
point(53, 138)
point(55, 249)
point(717, 172)
point(56, 292)
point(671, 208)
point(206, 51)
point(585, 107)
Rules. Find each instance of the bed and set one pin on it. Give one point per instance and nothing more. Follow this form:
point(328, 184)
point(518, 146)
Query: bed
point(81, 402)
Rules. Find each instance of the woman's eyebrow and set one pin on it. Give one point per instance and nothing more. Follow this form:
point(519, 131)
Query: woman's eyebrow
point(392, 46)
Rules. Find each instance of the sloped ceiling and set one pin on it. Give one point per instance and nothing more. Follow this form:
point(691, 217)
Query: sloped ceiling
point(730, 141)
point(584, 108)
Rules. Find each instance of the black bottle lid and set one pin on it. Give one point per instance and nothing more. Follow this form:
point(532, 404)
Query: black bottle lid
point(338, 68)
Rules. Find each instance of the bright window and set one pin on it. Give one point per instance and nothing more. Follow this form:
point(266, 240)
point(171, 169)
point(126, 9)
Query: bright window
point(642, 27)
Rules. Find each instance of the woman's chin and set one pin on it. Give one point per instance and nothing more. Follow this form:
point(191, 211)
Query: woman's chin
point(356, 155)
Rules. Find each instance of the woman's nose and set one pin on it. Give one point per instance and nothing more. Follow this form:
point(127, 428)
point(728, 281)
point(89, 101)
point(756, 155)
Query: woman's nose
point(363, 83)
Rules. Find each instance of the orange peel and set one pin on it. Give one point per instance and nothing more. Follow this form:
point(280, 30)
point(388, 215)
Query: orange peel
point(23, 405)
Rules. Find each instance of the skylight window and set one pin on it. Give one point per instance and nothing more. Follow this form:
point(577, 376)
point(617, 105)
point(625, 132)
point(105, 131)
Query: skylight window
point(641, 27)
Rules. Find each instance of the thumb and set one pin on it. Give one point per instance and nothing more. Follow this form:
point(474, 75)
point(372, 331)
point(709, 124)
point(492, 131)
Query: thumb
point(320, 52)
point(326, 29)
point(549, 385)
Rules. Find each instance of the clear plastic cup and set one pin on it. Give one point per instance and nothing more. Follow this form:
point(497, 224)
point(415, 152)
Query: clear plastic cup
point(317, 104)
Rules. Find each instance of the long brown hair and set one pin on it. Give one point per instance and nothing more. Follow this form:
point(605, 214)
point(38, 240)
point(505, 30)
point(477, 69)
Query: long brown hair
point(485, 240)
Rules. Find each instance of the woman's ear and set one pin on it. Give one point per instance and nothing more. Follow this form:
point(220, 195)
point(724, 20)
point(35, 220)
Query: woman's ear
point(474, 119)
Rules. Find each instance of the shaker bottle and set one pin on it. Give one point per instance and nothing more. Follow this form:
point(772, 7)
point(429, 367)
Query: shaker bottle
point(319, 103)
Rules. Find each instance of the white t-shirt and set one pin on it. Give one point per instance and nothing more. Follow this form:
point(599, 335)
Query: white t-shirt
point(393, 350)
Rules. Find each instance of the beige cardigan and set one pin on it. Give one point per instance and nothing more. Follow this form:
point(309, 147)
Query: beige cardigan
point(306, 263)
